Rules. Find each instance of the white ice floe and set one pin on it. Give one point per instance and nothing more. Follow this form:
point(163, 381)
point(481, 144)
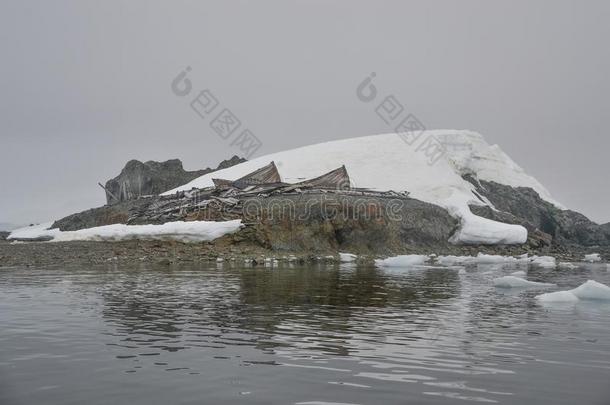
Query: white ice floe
point(567, 265)
point(481, 258)
point(347, 257)
point(494, 259)
point(519, 273)
point(454, 260)
point(516, 282)
point(593, 258)
point(543, 261)
point(385, 162)
point(590, 290)
point(402, 261)
point(558, 296)
point(193, 231)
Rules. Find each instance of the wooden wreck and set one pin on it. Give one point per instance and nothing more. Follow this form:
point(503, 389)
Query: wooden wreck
point(227, 196)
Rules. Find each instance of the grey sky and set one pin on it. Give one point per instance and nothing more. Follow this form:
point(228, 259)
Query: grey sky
point(85, 86)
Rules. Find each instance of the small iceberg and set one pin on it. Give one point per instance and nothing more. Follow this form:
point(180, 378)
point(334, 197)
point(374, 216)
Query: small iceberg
point(519, 273)
point(516, 282)
point(567, 265)
point(590, 290)
point(454, 260)
point(493, 259)
point(547, 262)
point(558, 296)
point(593, 258)
point(402, 261)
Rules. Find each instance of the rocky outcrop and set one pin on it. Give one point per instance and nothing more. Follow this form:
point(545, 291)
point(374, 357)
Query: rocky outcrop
point(544, 221)
point(308, 216)
point(225, 164)
point(106, 215)
point(341, 222)
point(4, 235)
point(152, 178)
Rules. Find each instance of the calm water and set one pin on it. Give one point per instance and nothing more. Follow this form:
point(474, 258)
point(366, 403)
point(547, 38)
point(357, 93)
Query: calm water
point(297, 335)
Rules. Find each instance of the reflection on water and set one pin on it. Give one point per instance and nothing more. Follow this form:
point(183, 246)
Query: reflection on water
point(315, 334)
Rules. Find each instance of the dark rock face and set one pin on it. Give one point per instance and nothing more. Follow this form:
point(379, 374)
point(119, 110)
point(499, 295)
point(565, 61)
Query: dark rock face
point(339, 222)
point(523, 205)
point(4, 235)
point(106, 215)
point(152, 178)
point(225, 164)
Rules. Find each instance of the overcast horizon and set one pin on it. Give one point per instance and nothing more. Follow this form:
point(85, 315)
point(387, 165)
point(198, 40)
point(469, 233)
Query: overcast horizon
point(86, 86)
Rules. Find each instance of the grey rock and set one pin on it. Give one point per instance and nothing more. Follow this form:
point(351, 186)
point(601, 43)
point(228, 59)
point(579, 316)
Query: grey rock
point(152, 178)
point(319, 222)
point(523, 205)
point(107, 215)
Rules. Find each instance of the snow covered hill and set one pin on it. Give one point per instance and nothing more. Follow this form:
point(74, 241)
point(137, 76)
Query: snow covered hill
point(386, 162)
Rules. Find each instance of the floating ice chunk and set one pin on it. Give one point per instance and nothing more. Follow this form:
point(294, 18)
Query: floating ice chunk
point(512, 281)
point(593, 258)
point(490, 259)
point(567, 265)
point(454, 260)
point(520, 273)
point(347, 257)
point(544, 261)
point(592, 290)
point(558, 296)
point(402, 261)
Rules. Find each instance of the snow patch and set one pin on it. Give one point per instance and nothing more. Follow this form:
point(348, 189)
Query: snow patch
point(192, 231)
point(34, 232)
point(347, 257)
point(479, 230)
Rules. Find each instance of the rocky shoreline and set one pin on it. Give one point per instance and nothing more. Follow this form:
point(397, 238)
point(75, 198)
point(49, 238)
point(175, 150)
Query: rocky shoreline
point(52, 254)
